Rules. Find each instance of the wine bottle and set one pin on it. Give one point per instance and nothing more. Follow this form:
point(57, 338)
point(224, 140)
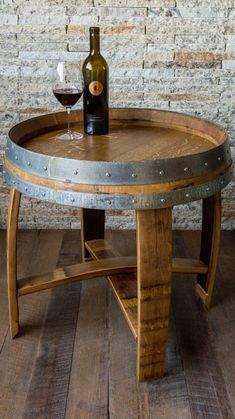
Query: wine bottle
point(95, 97)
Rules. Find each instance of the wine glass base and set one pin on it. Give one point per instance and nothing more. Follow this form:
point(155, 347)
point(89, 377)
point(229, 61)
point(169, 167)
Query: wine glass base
point(69, 136)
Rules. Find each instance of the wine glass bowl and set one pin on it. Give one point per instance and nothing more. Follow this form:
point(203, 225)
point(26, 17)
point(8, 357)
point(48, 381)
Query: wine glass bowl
point(67, 87)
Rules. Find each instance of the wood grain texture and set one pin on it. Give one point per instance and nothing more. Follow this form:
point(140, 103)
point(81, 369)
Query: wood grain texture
point(154, 260)
point(204, 375)
point(88, 387)
point(118, 144)
point(181, 133)
point(199, 380)
point(102, 249)
point(13, 212)
point(210, 243)
point(24, 242)
point(74, 273)
point(123, 285)
point(37, 252)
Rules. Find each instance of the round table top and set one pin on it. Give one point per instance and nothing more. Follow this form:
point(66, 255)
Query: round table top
point(149, 159)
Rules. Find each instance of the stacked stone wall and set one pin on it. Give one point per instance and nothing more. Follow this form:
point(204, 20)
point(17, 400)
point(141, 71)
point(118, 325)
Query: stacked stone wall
point(177, 55)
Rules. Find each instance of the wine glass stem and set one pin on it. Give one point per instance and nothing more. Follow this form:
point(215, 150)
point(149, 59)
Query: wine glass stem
point(68, 114)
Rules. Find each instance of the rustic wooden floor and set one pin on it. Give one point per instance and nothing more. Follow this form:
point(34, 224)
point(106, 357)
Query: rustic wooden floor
point(75, 357)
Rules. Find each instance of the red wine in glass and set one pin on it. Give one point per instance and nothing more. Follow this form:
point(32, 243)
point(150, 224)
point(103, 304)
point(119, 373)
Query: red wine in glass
point(67, 88)
point(67, 97)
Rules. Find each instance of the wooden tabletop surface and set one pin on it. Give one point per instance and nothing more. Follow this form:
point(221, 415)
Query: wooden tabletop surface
point(126, 141)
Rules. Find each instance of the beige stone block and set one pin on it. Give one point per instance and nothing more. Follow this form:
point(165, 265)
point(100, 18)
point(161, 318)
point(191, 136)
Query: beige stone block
point(161, 55)
point(34, 29)
point(163, 11)
point(202, 12)
point(43, 19)
point(81, 30)
point(192, 42)
point(194, 26)
point(51, 55)
point(124, 94)
point(228, 65)
point(29, 45)
point(52, 3)
point(8, 51)
point(8, 19)
point(190, 64)
point(177, 97)
point(122, 21)
point(107, 11)
point(207, 3)
point(204, 56)
point(32, 8)
point(84, 20)
point(135, 3)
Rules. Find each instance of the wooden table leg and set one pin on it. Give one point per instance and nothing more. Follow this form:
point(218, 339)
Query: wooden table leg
point(210, 242)
point(92, 227)
point(154, 260)
point(13, 212)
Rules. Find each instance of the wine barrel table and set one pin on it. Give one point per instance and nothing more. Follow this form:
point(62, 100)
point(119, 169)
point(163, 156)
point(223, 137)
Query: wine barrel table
point(150, 161)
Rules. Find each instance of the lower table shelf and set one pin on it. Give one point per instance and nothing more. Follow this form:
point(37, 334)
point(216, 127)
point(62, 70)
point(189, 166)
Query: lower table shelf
point(125, 285)
point(120, 272)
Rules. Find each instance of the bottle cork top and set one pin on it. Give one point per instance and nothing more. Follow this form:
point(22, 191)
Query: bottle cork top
point(94, 29)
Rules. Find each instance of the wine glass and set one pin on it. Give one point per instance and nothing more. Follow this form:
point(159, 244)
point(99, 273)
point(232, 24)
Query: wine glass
point(67, 88)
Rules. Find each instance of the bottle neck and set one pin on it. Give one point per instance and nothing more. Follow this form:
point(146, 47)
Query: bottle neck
point(94, 43)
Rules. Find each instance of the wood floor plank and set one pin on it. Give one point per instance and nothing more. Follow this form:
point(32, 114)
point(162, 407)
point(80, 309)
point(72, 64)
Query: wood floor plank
point(123, 386)
point(221, 316)
point(18, 355)
point(166, 398)
point(88, 388)
point(55, 347)
point(60, 367)
point(206, 387)
point(25, 249)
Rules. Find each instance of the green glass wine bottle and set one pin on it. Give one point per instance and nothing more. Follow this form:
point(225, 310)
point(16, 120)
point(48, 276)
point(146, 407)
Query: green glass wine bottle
point(95, 97)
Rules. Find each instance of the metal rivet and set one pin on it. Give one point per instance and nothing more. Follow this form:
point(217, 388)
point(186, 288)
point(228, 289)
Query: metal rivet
point(4, 172)
point(187, 195)
point(25, 188)
point(7, 148)
point(219, 158)
point(72, 199)
point(186, 169)
point(29, 164)
point(107, 174)
point(207, 189)
point(133, 175)
point(75, 172)
point(222, 181)
point(44, 194)
point(108, 202)
point(163, 200)
point(206, 163)
point(16, 157)
point(161, 172)
point(13, 182)
point(45, 168)
point(133, 201)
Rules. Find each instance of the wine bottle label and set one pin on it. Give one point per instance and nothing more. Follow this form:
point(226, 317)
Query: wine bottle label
point(96, 88)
